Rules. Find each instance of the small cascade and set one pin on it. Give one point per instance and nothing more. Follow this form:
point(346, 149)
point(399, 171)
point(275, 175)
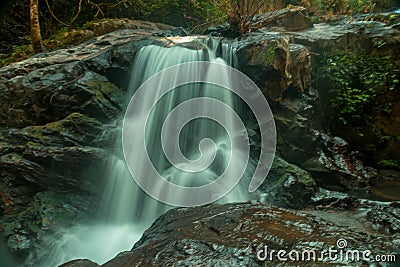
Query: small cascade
point(125, 210)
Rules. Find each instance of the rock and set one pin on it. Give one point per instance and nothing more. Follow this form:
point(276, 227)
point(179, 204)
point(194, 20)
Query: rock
point(288, 186)
point(265, 58)
point(102, 27)
point(300, 68)
point(219, 30)
point(78, 36)
point(42, 178)
point(283, 72)
point(42, 216)
point(74, 130)
point(79, 263)
point(297, 22)
point(324, 199)
point(387, 218)
point(290, 18)
point(336, 168)
point(233, 235)
point(53, 92)
point(358, 36)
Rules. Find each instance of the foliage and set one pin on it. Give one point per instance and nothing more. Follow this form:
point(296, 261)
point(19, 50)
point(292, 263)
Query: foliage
point(364, 93)
point(360, 82)
point(186, 13)
point(395, 164)
point(19, 53)
point(388, 19)
point(328, 9)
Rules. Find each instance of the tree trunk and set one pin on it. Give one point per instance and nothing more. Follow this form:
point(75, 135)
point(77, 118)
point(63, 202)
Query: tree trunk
point(36, 37)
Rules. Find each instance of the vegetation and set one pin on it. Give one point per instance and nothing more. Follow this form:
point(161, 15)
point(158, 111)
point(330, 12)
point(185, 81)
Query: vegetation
point(360, 81)
point(195, 15)
point(327, 9)
point(364, 92)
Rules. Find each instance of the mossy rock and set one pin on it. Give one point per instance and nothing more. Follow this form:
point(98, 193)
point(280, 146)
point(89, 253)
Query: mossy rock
point(75, 129)
point(46, 212)
point(288, 185)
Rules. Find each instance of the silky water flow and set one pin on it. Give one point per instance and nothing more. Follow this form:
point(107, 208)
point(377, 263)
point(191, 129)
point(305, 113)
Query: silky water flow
point(125, 210)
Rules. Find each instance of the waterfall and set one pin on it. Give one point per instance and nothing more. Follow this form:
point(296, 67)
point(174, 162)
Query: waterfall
point(125, 209)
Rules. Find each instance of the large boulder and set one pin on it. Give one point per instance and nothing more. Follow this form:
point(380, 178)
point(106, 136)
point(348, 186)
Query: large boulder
point(288, 186)
point(238, 234)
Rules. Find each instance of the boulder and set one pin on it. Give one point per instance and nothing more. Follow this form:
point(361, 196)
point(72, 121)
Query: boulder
point(234, 234)
point(336, 167)
point(357, 35)
point(288, 186)
point(80, 263)
point(265, 58)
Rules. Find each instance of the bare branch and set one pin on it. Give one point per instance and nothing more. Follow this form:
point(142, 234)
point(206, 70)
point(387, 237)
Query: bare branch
point(54, 16)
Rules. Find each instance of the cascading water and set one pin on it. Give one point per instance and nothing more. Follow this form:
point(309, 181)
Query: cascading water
point(125, 210)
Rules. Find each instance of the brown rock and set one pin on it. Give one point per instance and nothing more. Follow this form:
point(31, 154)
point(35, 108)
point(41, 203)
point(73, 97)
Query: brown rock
point(233, 234)
point(79, 263)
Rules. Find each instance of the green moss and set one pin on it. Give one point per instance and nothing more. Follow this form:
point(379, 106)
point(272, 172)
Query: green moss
point(269, 56)
point(392, 164)
point(102, 88)
point(20, 53)
point(72, 127)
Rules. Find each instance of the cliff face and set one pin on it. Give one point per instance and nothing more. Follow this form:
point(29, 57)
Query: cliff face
point(57, 119)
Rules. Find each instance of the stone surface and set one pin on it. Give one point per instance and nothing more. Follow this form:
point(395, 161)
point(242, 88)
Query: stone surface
point(80, 263)
point(336, 167)
point(288, 186)
point(233, 234)
point(362, 36)
point(265, 58)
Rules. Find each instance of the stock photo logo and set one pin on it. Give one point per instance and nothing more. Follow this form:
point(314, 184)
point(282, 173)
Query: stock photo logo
point(153, 116)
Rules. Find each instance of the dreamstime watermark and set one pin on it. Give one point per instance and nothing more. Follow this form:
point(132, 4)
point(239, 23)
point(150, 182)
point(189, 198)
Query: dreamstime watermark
point(137, 117)
point(339, 253)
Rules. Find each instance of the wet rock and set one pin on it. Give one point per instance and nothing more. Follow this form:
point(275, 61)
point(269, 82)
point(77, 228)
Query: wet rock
point(283, 72)
point(359, 36)
point(265, 58)
point(299, 68)
point(80, 263)
point(53, 92)
point(109, 25)
point(43, 215)
point(337, 168)
point(295, 140)
point(219, 30)
point(386, 218)
point(328, 200)
point(233, 234)
point(296, 21)
point(288, 186)
point(74, 130)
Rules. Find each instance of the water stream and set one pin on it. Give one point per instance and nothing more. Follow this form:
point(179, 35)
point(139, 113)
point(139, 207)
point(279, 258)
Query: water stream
point(125, 210)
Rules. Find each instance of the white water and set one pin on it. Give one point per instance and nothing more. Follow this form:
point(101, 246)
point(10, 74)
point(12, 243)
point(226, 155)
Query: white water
point(125, 210)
